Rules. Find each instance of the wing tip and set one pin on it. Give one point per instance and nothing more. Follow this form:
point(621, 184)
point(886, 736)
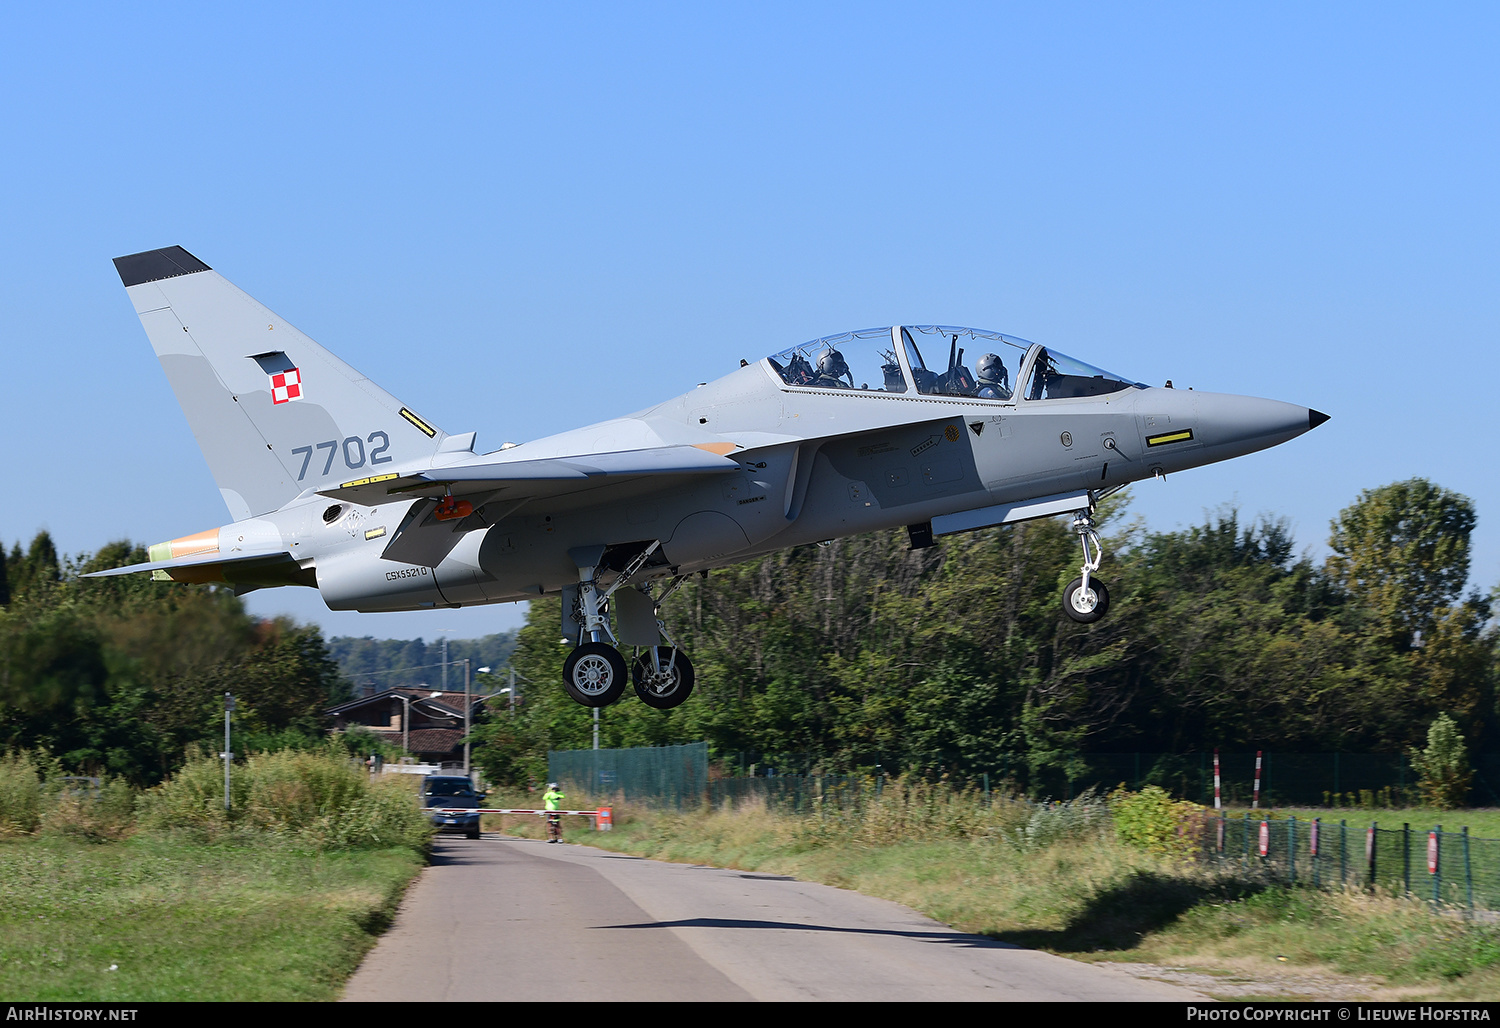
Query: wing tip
point(156, 265)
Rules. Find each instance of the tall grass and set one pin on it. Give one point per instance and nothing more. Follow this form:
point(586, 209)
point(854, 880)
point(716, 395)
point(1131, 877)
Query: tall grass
point(23, 795)
point(317, 798)
point(908, 810)
point(36, 798)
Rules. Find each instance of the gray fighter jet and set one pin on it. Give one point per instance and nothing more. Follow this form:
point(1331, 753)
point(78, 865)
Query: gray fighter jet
point(335, 484)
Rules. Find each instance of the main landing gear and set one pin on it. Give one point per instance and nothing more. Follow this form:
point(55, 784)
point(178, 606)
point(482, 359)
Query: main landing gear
point(594, 673)
point(1085, 599)
point(663, 677)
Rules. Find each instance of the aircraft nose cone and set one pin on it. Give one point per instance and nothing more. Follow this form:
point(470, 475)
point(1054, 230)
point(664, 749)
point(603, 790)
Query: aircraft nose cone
point(1315, 418)
point(1231, 419)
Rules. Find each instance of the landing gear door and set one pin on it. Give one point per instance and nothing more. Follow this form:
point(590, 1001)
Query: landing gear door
point(571, 629)
point(635, 618)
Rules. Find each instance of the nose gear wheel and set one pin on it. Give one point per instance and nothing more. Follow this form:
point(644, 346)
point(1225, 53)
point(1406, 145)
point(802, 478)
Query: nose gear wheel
point(1085, 603)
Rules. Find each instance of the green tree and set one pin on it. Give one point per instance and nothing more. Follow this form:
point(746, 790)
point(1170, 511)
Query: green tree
point(119, 675)
point(1443, 772)
point(1402, 552)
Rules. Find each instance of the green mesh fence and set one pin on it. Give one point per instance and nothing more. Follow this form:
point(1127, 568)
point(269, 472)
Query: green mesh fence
point(1396, 858)
point(679, 774)
point(1286, 779)
point(1368, 781)
point(675, 776)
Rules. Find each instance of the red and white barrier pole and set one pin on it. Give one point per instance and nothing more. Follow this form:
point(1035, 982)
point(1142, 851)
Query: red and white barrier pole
point(1217, 804)
point(1255, 804)
point(604, 818)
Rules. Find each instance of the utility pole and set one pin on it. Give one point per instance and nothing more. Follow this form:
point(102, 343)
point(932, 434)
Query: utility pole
point(468, 706)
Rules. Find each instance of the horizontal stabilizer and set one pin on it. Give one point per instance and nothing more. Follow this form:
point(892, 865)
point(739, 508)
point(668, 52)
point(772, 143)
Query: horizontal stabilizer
point(196, 560)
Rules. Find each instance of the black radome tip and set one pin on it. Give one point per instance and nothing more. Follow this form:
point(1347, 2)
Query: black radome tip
point(1315, 418)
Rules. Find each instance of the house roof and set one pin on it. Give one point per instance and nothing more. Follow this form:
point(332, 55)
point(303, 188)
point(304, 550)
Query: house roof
point(435, 740)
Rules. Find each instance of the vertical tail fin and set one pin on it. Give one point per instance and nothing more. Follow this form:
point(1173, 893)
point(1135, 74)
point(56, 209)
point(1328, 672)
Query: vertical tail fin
point(273, 412)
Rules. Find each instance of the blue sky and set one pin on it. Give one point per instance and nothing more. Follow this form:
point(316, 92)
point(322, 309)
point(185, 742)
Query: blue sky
point(524, 218)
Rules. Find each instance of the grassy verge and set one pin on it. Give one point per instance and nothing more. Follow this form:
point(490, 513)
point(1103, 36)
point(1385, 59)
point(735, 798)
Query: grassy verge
point(1300, 943)
point(119, 895)
point(1083, 893)
point(158, 919)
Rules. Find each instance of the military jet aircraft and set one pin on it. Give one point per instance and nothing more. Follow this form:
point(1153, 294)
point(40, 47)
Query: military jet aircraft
point(335, 484)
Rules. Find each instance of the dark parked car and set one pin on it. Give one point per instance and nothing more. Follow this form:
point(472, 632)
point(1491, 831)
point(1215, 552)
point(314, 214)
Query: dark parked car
point(453, 791)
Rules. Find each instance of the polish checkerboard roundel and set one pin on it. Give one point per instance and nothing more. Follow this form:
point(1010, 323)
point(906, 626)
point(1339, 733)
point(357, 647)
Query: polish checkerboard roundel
point(286, 386)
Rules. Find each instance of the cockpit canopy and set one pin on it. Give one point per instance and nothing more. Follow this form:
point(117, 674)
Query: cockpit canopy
point(977, 364)
point(850, 360)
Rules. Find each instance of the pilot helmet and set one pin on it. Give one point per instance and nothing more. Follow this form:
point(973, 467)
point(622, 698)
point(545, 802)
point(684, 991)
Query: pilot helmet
point(832, 364)
point(991, 368)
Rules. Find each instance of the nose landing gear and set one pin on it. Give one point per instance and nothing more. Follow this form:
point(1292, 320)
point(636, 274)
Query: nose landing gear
point(1086, 600)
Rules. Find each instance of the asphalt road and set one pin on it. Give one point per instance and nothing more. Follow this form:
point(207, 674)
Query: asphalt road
point(504, 919)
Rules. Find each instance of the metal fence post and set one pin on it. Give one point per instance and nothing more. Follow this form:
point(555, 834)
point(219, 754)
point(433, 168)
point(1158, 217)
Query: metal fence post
point(1291, 849)
point(1312, 847)
point(1370, 849)
point(1343, 852)
point(1468, 874)
point(1406, 857)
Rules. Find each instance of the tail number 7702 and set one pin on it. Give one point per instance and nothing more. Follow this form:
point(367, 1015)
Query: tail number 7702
point(353, 449)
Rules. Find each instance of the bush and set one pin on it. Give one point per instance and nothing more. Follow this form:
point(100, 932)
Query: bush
point(292, 791)
point(1443, 771)
point(322, 799)
point(192, 800)
point(1152, 820)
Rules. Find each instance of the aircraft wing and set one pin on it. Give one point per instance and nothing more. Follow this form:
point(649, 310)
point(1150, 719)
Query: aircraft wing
point(521, 479)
